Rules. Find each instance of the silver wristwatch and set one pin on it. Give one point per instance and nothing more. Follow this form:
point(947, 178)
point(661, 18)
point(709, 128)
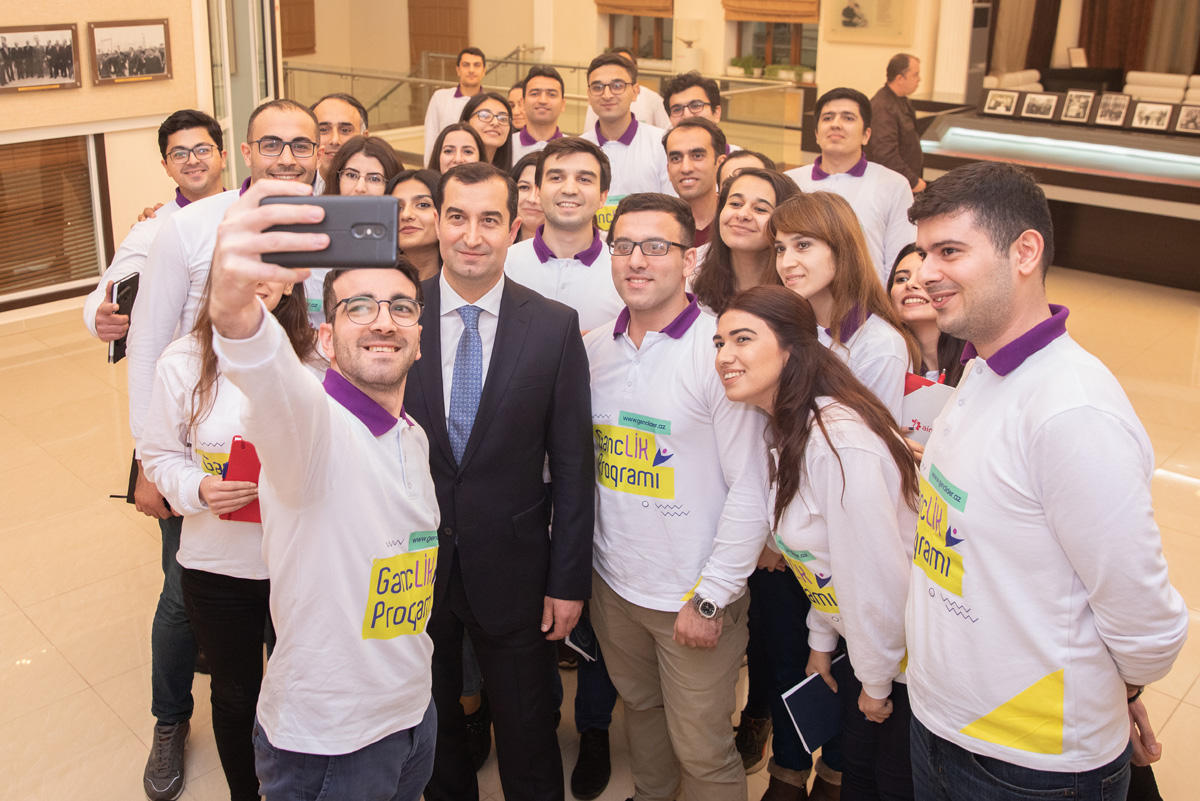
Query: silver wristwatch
point(708, 609)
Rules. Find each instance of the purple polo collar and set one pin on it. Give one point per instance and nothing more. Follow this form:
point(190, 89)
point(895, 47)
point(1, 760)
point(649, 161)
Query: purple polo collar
point(245, 186)
point(587, 256)
point(1014, 354)
point(858, 170)
point(674, 329)
point(853, 321)
point(180, 200)
point(625, 138)
point(526, 139)
point(458, 91)
point(377, 419)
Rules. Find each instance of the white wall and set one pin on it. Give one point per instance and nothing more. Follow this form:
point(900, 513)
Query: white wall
point(136, 178)
point(864, 66)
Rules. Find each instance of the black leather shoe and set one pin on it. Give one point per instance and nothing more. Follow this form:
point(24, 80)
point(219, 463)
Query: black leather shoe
point(479, 733)
point(592, 768)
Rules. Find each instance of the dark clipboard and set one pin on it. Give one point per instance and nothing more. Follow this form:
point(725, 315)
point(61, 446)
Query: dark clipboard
point(243, 465)
point(123, 294)
point(815, 710)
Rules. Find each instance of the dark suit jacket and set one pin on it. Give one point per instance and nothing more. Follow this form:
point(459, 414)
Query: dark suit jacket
point(894, 141)
point(536, 400)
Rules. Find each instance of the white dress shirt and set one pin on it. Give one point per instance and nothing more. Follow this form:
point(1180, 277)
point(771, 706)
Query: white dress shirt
point(452, 329)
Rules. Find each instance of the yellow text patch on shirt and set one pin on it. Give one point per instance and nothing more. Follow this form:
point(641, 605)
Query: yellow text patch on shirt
point(400, 596)
point(935, 548)
point(213, 463)
point(819, 589)
point(629, 461)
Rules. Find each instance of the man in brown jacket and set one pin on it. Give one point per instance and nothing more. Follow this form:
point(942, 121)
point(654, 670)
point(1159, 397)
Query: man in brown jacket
point(895, 142)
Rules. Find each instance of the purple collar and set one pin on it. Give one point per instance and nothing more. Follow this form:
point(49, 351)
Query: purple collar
point(526, 139)
point(377, 419)
point(245, 186)
point(586, 256)
point(180, 200)
point(674, 329)
point(458, 91)
point(1014, 354)
point(728, 148)
point(625, 138)
point(853, 321)
point(858, 170)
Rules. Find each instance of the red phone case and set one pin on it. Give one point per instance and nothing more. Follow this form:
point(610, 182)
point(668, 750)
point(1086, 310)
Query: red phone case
point(243, 466)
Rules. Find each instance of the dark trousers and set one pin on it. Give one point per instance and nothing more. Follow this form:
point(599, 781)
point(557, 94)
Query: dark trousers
point(595, 695)
point(172, 646)
point(517, 670)
point(229, 617)
point(875, 756)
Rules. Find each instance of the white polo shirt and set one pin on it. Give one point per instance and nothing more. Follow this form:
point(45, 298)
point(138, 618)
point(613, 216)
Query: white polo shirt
point(877, 355)
point(350, 541)
point(1038, 586)
point(847, 536)
point(130, 257)
point(170, 290)
point(523, 143)
point(880, 198)
point(584, 282)
point(445, 107)
point(639, 162)
point(681, 469)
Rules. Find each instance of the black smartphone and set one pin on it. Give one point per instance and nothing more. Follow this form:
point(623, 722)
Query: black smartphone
point(361, 228)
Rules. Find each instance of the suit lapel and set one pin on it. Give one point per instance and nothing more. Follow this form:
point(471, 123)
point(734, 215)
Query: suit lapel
point(427, 372)
point(511, 329)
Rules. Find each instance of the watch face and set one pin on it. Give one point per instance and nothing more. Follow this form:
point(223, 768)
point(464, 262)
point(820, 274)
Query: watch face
point(708, 608)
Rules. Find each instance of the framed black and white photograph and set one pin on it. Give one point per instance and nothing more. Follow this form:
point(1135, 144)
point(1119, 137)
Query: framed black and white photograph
point(1039, 106)
point(35, 58)
point(130, 51)
point(1150, 116)
point(1000, 102)
point(1189, 120)
point(1077, 107)
point(1112, 109)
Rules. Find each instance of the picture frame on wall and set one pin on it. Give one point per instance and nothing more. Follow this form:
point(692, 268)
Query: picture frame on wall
point(870, 22)
point(130, 51)
point(1112, 109)
point(1188, 121)
point(1039, 106)
point(1077, 106)
point(37, 58)
point(1151, 116)
point(1000, 102)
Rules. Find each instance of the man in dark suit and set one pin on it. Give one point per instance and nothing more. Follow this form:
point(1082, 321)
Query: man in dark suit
point(502, 386)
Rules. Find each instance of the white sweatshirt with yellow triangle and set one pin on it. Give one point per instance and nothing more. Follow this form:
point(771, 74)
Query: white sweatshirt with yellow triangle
point(1038, 585)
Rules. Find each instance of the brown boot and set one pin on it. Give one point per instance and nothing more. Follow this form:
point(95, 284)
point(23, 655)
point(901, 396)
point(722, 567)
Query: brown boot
point(786, 784)
point(751, 737)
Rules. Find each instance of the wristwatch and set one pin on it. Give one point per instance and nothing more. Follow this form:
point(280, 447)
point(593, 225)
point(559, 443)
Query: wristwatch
point(708, 609)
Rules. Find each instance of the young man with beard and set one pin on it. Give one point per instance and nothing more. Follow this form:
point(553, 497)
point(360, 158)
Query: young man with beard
point(339, 117)
point(695, 149)
point(543, 99)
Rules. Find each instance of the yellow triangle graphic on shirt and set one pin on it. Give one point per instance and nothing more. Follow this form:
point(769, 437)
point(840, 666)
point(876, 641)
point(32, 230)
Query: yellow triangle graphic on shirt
point(1029, 721)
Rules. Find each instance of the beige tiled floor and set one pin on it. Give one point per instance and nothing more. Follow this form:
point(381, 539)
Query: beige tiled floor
point(79, 573)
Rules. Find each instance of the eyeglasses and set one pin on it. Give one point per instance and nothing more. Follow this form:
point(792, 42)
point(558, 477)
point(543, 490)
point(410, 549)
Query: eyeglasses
point(180, 155)
point(364, 310)
point(695, 107)
point(649, 247)
point(273, 146)
point(487, 116)
point(617, 87)
point(352, 176)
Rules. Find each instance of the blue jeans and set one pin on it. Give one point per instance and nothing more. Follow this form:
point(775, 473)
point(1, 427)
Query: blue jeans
point(172, 646)
point(472, 678)
point(395, 768)
point(595, 695)
point(777, 656)
point(942, 771)
point(876, 756)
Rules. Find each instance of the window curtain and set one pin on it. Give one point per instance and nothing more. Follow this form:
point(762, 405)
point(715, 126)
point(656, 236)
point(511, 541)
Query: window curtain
point(1041, 39)
point(637, 8)
point(1174, 41)
point(1114, 33)
point(803, 12)
point(1014, 25)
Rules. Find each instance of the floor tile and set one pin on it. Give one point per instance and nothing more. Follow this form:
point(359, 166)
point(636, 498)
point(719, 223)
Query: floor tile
point(33, 674)
point(1176, 772)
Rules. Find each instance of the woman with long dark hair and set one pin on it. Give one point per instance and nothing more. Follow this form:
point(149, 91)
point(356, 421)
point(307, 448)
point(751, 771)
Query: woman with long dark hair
point(941, 354)
point(362, 166)
point(842, 505)
point(529, 203)
point(195, 416)
point(416, 192)
point(490, 115)
point(741, 254)
point(821, 255)
point(456, 144)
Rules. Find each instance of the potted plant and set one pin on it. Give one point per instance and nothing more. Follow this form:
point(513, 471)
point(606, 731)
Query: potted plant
point(785, 72)
point(756, 66)
point(737, 67)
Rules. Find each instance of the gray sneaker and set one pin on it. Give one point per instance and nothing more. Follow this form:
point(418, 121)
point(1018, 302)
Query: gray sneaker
point(163, 779)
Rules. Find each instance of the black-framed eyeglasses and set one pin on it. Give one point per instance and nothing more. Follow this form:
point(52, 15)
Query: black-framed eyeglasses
point(649, 247)
point(351, 175)
point(695, 107)
point(364, 310)
point(484, 115)
point(616, 86)
point(180, 155)
point(273, 146)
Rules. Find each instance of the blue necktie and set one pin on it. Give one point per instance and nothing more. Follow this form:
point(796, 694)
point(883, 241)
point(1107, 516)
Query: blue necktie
point(467, 382)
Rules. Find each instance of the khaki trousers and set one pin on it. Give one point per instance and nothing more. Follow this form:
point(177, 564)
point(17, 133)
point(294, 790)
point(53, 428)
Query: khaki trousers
point(679, 701)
